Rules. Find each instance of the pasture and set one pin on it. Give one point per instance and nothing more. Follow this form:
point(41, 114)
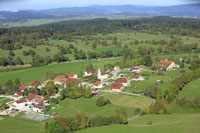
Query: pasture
point(178, 123)
point(28, 75)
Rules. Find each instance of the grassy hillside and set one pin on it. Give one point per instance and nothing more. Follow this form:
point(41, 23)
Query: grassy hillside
point(191, 90)
point(28, 75)
point(123, 38)
point(175, 123)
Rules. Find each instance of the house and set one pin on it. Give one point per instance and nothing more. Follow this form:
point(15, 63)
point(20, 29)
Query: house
point(59, 80)
point(134, 69)
point(34, 84)
point(72, 80)
point(116, 87)
point(168, 65)
point(102, 75)
point(116, 68)
point(123, 81)
point(73, 75)
point(94, 90)
point(88, 73)
point(35, 99)
point(22, 87)
point(161, 72)
point(20, 103)
point(18, 94)
point(137, 77)
point(98, 85)
point(38, 108)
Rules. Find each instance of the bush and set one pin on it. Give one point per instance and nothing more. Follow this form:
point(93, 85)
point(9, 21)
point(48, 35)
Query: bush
point(101, 101)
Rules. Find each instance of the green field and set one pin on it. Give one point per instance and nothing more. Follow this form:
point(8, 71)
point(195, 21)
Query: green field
point(28, 75)
point(19, 125)
point(3, 99)
point(127, 101)
point(80, 44)
point(88, 106)
point(175, 123)
point(191, 90)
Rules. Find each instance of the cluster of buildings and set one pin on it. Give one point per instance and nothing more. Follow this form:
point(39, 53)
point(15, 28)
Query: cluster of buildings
point(37, 103)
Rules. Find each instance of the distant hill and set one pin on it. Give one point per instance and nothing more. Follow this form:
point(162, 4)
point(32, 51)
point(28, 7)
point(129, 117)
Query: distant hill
point(120, 11)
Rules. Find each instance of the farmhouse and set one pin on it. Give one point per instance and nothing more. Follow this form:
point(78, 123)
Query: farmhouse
point(88, 73)
point(59, 80)
point(38, 108)
point(72, 80)
point(73, 75)
point(116, 87)
point(137, 77)
point(22, 87)
point(98, 85)
point(17, 94)
point(123, 81)
point(20, 103)
point(168, 65)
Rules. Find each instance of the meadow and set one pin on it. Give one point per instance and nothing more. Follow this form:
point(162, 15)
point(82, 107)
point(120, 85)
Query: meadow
point(175, 123)
point(124, 38)
point(191, 90)
point(28, 75)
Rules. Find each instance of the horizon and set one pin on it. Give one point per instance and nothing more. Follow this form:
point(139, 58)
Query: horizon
point(15, 5)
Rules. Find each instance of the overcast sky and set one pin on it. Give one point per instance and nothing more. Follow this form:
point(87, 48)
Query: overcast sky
point(46, 4)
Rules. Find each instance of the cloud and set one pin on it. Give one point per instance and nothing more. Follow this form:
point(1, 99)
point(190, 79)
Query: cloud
point(10, 1)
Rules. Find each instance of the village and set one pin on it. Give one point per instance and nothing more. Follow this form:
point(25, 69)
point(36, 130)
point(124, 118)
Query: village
point(114, 80)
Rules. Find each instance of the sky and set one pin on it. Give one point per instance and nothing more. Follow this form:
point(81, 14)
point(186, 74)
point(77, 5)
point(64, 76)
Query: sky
point(12, 5)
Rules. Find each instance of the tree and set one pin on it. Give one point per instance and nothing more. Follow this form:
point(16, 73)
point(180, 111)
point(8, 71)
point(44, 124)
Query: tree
point(148, 61)
point(11, 53)
point(100, 101)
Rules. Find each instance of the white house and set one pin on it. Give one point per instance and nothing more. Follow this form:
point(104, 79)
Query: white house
point(18, 94)
point(88, 73)
point(98, 85)
point(73, 75)
point(124, 81)
point(101, 75)
point(116, 87)
point(38, 108)
point(20, 103)
point(168, 65)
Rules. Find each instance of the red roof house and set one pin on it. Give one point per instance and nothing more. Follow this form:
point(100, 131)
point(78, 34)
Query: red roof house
point(98, 85)
point(72, 75)
point(72, 80)
point(22, 87)
point(59, 79)
point(31, 97)
point(161, 72)
point(121, 80)
point(164, 63)
point(116, 87)
point(18, 94)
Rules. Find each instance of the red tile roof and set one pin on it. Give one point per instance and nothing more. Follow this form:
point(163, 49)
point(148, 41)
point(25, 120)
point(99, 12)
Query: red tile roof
point(22, 87)
point(35, 83)
point(116, 86)
point(39, 106)
point(70, 80)
point(96, 72)
point(60, 79)
point(97, 83)
point(164, 63)
point(121, 80)
point(31, 97)
point(20, 101)
point(71, 75)
point(19, 93)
